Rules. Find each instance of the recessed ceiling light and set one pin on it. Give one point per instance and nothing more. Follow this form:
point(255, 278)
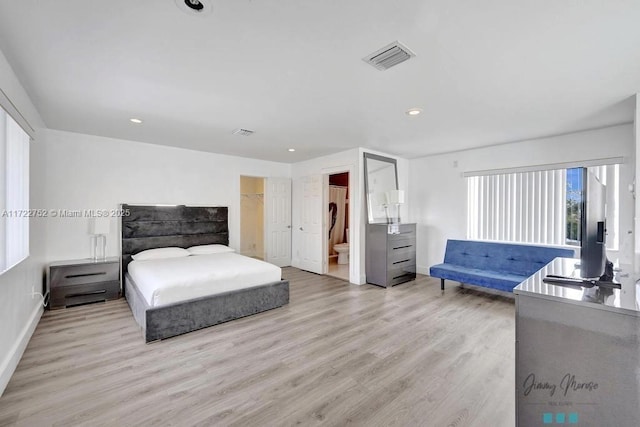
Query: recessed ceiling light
point(292, 149)
point(138, 121)
point(414, 111)
point(194, 4)
point(195, 7)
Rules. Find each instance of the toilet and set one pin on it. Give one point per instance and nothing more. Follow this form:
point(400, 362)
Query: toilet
point(343, 252)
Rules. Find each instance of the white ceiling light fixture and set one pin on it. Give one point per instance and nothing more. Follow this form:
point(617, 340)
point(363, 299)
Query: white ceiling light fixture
point(195, 7)
point(291, 150)
point(413, 112)
point(136, 121)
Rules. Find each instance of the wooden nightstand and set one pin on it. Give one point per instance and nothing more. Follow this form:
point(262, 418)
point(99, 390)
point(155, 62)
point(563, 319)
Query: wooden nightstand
point(83, 281)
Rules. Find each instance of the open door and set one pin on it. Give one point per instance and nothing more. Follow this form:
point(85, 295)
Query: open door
point(309, 232)
point(277, 201)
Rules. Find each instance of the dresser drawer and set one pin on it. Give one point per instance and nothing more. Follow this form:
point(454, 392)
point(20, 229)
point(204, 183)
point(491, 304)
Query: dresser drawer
point(70, 275)
point(68, 296)
point(401, 253)
point(401, 273)
point(403, 235)
point(407, 228)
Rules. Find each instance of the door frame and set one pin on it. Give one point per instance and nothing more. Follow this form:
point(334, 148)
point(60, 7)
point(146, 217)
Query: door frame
point(352, 221)
point(264, 216)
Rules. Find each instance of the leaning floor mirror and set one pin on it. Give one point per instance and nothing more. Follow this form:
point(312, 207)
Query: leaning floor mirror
point(381, 189)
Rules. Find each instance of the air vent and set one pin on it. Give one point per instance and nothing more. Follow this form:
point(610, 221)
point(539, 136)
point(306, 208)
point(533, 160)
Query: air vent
point(389, 56)
point(243, 132)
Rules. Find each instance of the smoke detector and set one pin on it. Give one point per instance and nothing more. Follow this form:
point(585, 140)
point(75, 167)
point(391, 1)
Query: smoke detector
point(195, 7)
point(243, 132)
point(389, 56)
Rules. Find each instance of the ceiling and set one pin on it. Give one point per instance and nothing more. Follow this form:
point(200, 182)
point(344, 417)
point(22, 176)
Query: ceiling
point(291, 70)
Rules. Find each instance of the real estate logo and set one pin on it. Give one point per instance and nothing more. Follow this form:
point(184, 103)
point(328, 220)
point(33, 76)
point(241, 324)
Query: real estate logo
point(561, 396)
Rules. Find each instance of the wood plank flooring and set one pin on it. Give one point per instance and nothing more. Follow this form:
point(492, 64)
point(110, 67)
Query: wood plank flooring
point(337, 355)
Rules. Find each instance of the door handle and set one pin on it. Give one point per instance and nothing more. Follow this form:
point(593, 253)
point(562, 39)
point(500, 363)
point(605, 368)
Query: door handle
point(288, 226)
point(301, 229)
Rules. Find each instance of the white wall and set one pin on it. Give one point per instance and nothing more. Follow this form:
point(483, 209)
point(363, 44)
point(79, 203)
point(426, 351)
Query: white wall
point(352, 161)
point(438, 192)
point(19, 312)
point(636, 136)
point(90, 172)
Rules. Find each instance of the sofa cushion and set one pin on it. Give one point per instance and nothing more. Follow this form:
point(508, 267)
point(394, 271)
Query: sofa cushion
point(505, 258)
point(475, 276)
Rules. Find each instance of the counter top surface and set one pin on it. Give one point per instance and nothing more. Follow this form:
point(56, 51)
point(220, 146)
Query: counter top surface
point(625, 300)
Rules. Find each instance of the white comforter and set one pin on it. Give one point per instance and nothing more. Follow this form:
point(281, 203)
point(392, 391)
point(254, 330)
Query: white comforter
point(165, 281)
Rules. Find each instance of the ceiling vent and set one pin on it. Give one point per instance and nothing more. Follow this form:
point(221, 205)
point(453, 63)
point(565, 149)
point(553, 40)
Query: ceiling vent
point(389, 56)
point(243, 132)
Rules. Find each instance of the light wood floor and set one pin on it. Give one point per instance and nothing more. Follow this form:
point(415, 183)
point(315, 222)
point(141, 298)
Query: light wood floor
point(338, 354)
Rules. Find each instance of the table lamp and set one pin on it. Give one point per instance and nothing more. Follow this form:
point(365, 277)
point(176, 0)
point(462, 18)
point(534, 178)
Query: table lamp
point(99, 228)
point(395, 198)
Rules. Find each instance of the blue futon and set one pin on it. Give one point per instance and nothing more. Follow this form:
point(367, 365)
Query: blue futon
point(501, 266)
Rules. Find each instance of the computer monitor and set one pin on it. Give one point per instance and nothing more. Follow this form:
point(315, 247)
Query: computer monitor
point(593, 256)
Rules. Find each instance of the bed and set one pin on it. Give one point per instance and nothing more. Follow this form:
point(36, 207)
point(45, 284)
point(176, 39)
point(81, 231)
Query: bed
point(180, 295)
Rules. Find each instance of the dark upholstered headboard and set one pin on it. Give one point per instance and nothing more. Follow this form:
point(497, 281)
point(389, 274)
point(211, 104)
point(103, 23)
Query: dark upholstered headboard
point(149, 227)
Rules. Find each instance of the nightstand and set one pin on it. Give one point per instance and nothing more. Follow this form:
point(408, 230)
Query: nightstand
point(83, 281)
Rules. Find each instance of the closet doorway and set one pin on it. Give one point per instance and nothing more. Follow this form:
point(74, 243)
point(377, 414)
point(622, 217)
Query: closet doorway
point(337, 211)
point(252, 217)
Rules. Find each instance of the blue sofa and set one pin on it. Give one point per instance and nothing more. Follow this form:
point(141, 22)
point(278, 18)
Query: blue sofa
point(499, 266)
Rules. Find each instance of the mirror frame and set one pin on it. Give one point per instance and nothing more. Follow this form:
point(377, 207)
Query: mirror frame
point(367, 156)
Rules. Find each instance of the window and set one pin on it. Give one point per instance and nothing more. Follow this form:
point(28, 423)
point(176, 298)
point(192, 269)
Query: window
point(574, 206)
point(14, 192)
point(538, 207)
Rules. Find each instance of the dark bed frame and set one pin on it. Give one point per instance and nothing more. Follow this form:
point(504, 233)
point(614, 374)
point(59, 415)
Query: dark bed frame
point(147, 227)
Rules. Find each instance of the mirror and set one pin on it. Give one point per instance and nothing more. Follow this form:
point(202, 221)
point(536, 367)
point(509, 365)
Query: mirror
point(380, 178)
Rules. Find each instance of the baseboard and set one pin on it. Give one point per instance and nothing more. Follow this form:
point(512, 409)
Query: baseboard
point(422, 270)
point(10, 363)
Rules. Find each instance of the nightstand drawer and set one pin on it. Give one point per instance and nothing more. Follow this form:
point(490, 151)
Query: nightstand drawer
point(67, 296)
point(70, 275)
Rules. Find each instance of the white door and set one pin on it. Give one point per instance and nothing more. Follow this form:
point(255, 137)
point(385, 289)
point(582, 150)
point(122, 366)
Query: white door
point(277, 196)
point(309, 232)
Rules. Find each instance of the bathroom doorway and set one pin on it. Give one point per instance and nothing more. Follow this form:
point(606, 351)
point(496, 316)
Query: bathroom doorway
point(337, 211)
point(252, 217)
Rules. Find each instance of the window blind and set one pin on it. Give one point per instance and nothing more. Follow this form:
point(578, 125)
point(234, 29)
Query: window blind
point(531, 206)
point(14, 192)
point(522, 207)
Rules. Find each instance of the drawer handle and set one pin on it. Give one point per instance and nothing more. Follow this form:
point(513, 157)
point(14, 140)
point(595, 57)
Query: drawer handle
point(72, 276)
point(103, 291)
point(402, 275)
point(400, 262)
point(402, 247)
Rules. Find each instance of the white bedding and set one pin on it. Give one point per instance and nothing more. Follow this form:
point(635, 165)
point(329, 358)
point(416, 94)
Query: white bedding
point(165, 281)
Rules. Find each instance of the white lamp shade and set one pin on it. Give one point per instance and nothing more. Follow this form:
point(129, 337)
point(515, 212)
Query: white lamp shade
point(100, 225)
point(395, 197)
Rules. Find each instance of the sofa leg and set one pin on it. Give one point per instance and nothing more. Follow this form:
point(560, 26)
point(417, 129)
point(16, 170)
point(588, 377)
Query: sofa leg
point(442, 284)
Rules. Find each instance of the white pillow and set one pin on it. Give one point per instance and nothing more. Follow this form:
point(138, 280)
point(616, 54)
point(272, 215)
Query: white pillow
point(160, 253)
point(209, 249)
